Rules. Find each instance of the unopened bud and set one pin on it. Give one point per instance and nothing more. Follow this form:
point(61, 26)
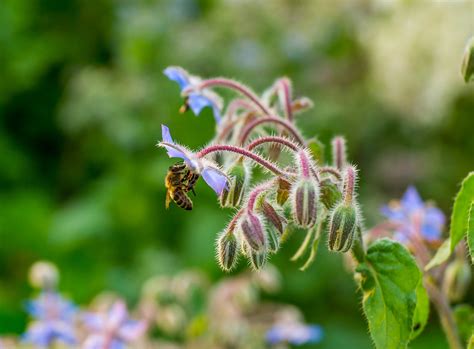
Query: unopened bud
point(256, 258)
point(251, 227)
point(342, 227)
point(457, 279)
point(275, 227)
point(44, 275)
point(304, 201)
point(467, 67)
point(239, 175)
point(227, 250)
point(339, 152)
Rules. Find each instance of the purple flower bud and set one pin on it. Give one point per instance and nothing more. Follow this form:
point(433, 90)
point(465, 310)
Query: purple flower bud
point(342, 226)
point(239, 175)
point(339, 152)
point(457, 279)
point(304, 200)
point(251, 228)
point(227, 250)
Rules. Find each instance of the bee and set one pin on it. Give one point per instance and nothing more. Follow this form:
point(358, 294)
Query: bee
point(179, 181)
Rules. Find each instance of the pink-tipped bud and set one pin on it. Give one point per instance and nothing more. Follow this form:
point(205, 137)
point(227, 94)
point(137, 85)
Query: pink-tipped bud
point(339, 152)
point(342, 227)
point(304, 202)
point(239, 175)
point(251, 227)
point(227, 250)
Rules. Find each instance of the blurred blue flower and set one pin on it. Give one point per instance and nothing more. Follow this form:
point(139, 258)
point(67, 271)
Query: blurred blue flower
point(197, 101)
point(53, 320)
point(113, 329)
point(214, 177)
point(412, 216)
point(294, 333)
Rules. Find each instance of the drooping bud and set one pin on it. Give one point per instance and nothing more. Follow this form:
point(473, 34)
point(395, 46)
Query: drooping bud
point(44, 275)
point(257, 259)
point(227, 250)
point(304, 201)
point(339, 152)
point(275, 227)
point(467, 67)
point(251, 227)
point(457, 279)
point(239, 175)
point(342, 227)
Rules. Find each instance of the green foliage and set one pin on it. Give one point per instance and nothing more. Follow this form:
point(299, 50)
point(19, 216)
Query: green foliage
point(391, 283)
point(422, 310)
point(461, 225)
point(470, 232)
point(464, 317)
point(467, 67)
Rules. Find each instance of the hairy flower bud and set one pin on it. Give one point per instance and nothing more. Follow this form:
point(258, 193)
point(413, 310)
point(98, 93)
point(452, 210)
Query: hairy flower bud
point(227, 250)
point(256, 258)
point(457, 279)
point(342, 226)
point(304, 201)
point(251, 227)
point(276, 226)
point(239, 175)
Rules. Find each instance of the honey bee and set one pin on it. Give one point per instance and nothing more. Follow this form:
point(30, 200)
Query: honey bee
point(179, 181)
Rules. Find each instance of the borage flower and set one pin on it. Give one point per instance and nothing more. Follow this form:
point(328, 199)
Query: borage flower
point(112, 330)
point(412, 216)
point(53, 320)
point(196, 100)
point(209, 171)
point(294, 333)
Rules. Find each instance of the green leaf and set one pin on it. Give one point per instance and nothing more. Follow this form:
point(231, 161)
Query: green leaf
point(461, 223)
point(390, 279)
point(467, 66)
point(470, 232)
point(462, 205)
point(422, 310)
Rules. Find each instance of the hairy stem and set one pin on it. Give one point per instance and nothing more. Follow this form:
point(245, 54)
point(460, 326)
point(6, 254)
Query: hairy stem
point(358, 250)
point(244, 152)
point(271, 120)
point(272, 139)
point(256, 192)
point(234, 85)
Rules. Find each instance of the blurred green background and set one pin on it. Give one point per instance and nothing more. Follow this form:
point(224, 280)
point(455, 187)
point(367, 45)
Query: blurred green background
point(82, 97)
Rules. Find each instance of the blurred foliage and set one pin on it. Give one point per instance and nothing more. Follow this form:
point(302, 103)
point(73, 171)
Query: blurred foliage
point(82, 97)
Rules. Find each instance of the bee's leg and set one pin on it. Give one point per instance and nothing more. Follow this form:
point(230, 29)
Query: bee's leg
point(192, 190)
point(168, 199)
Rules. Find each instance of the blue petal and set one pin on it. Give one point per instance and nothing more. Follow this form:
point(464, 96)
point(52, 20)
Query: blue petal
point(179, 75)
point(394, 214)
point(411, 200)
point(215, 179)
point(197, 102)
point(430, 231)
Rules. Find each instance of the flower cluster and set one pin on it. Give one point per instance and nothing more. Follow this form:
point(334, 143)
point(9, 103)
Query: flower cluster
point(56, 320)
point(298, 189)
point(184, 307)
